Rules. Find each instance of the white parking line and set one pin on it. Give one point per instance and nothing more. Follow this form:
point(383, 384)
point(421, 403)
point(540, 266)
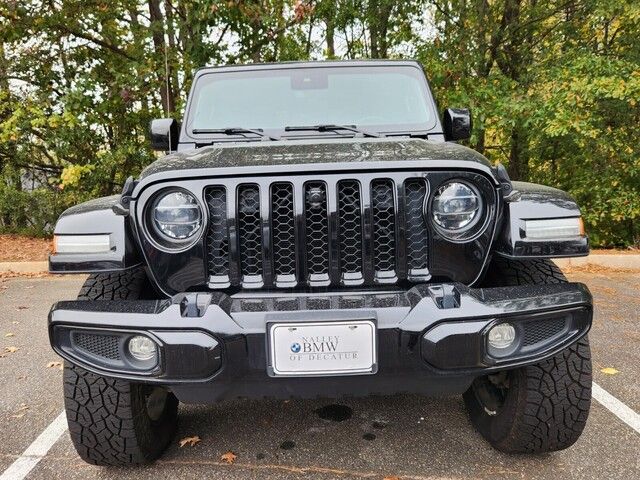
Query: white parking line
point(38, 449)
point(19, 469)
point(615, 406)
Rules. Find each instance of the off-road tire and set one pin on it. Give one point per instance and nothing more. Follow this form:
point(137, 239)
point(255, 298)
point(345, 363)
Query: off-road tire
point(109, 419)
point(505, 273)
point(546, 405)
point(128, 285)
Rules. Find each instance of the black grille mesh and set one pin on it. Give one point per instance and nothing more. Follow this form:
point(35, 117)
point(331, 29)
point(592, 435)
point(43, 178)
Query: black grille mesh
point(217, 234)
point(417, 236)
point(105, 346)
point(249, 231)
point(538, 331)
point(343, 231)
point(316, 227)
point(283, 229)
point(350, 226)
point(384, 225)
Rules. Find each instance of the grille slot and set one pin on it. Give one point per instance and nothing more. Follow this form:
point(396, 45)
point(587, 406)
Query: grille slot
point(350, 231)
point(283, 231)
point(250, 234)
point(384, 230)
point(416, 234)
point(541, 330)
point(218, 235)
point(317, 232)
point(105, 346)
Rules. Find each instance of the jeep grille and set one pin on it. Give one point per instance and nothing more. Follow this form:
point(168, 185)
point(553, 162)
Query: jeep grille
point(317, 232)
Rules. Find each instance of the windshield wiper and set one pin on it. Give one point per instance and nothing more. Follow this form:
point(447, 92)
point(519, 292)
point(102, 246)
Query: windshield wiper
point(234, 131)
point(331, 128)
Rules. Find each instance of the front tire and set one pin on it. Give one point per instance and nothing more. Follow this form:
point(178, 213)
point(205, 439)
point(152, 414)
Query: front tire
point(111, 421)
point(538, 408)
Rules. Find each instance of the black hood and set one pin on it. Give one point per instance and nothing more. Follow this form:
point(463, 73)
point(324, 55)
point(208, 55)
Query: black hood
point(291, 156)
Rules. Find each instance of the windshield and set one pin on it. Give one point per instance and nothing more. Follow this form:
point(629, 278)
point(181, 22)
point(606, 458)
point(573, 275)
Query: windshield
point(382, 99)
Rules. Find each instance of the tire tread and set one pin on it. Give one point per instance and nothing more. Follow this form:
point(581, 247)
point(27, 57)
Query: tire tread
point(107, 417)
point(554, 403)
point(114, 286)
point(100, 416)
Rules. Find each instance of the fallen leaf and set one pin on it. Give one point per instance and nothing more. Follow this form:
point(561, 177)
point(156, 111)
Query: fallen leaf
point(229, 457)
point(21, 412)
point(609, 371)
point(11, 349)
point(54, 365)
point(191, 441)
point(393, 477)
point(8, 335)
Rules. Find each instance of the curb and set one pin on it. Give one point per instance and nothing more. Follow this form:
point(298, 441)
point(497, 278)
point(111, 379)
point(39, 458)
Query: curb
point(24, 267)
point(613, 261)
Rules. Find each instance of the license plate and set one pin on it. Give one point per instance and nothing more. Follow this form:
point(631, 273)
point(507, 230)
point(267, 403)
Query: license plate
point(322, 348)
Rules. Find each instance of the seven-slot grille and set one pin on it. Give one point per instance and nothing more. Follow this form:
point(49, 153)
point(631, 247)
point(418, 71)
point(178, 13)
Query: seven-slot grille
point(317, 232)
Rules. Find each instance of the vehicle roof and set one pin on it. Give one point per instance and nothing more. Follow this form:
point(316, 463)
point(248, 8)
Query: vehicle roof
point(306, 64)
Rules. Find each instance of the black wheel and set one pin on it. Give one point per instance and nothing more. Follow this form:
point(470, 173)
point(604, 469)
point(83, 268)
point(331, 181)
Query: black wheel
point(537, 408)
point(111, 421)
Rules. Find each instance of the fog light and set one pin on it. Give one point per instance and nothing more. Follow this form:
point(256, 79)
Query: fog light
point(142, 348)
point(502, 336)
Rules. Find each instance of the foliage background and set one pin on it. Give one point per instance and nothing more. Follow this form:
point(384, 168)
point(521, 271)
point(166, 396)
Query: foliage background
point(554, 86)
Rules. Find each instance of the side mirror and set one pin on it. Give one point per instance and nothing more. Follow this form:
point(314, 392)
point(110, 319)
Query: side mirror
point(164, 134)
point(457, 124)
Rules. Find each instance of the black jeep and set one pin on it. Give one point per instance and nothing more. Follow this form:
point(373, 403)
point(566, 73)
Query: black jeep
point(314, 231)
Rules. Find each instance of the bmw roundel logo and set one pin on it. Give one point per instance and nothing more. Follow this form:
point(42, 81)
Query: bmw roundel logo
point(295, 347)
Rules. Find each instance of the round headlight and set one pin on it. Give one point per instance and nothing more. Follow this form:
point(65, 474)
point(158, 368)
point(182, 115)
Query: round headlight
point(177, 215)
point(456, 207)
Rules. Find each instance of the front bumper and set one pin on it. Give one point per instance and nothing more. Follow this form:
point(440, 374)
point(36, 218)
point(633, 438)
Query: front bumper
point(432, 339)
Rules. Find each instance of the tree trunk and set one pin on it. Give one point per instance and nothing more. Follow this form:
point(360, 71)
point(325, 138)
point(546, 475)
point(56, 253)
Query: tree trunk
point(330, 38)
point(373, 27)
point(8, 149)
point(518, 168)
point(171, 33)
point(167, 94)
point(479, 146)
point(378, 14)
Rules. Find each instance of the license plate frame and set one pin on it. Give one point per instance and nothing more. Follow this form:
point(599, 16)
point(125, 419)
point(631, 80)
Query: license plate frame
point(276, 367)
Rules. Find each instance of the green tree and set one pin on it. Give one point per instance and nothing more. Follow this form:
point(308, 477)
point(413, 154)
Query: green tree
point(553, 86)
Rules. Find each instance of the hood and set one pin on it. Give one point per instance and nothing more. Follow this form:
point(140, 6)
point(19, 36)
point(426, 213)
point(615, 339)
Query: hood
point(291, 156)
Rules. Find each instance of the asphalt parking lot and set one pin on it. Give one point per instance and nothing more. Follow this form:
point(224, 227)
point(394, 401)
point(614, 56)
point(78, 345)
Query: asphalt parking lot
point(408, 437)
